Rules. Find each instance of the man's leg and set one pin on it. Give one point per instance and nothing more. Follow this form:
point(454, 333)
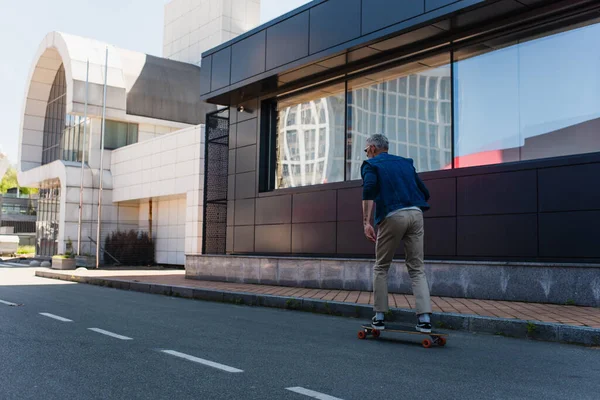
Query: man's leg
point(389, 235)
point(413, 248)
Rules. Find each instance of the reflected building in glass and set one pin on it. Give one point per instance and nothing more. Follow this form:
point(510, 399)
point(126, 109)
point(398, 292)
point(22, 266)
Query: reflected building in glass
point(413, 111)
point(310, 147)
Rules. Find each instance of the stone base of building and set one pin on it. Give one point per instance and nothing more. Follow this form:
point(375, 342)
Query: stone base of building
point(577, 284)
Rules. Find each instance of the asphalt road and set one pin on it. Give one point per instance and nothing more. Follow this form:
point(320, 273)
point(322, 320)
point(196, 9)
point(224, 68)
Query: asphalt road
point(171, 348)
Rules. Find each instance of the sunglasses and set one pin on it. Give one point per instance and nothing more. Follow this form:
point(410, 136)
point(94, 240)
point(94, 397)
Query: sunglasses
point(367, 148)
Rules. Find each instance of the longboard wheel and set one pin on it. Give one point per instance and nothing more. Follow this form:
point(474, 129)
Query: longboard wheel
point(426, 343)
point(362, 334)
point(442, 341)
point(376, 333)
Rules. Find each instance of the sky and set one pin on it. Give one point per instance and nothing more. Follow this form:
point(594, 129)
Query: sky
point(129, 24)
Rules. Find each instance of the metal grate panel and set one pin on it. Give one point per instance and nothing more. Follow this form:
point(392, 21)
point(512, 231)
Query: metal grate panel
point(216, 164)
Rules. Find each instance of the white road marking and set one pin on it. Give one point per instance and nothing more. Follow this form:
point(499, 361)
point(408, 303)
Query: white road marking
point(311, 393)
point(202, 361)
point(107, 333)
point(8, 303)
point(45, 314)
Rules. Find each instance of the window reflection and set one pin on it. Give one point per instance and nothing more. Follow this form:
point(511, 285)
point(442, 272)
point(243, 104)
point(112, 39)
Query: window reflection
point(310, 138)
point(409, 104)
point(532, 100)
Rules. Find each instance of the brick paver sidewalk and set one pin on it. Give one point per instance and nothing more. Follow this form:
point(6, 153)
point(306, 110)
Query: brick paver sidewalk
point(562, 314)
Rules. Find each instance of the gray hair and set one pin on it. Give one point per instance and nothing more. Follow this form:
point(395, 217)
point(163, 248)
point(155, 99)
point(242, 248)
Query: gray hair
point(379, 141)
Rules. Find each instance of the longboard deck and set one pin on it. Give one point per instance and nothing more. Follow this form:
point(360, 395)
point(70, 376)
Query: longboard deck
point(436, 337)
point(410, 329)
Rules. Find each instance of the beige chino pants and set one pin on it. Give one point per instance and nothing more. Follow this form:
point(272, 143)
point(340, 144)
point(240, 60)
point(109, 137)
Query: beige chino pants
point(404, 225)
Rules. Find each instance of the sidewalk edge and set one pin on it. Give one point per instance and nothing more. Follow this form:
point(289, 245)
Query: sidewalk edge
point(461, 322)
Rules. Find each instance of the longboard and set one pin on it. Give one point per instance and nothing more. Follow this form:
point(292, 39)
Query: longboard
point(434, 337)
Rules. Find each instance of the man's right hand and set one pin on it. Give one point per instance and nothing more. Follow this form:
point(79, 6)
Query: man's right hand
point(370, 233)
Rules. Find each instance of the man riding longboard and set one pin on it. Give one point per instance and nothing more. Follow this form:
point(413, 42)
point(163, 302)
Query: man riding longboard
point(392, 187)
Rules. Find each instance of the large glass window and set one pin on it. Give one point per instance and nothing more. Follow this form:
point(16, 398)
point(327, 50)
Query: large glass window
point(509, 99)
point(119, 134)
point(73, 144)
point(63, 133)
point(310, 137)
point(54, 121)
point(534, 99)
point(411, 105)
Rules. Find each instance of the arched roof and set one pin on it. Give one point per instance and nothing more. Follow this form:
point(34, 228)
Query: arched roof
point(131, 87)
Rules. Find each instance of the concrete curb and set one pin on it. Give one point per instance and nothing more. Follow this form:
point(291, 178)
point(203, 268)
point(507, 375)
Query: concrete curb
point(460, 322)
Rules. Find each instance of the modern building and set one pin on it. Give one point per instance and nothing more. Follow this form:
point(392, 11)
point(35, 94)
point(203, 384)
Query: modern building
point(151, 177)
point(497, 102)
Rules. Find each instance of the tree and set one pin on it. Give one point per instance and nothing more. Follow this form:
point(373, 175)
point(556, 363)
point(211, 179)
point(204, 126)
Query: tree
point(10, 181)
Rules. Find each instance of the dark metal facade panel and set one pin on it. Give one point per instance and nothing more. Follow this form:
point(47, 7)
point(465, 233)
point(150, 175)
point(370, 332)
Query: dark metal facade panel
point(249, 57)
point(492, 9)
point(221, 69)
point(245, 159)
point(351, 239)
point(408, 38)
point(443, 197)
point(246, 133)
point(244, 212)
point(505, 236)
point(440, 237)
point(243, 239)
point(377, 14)
point(349, 204)
point(314, 207)
point(245, 185)
point(287, 41)
point(570, 188)
point(434, 4)
point(205, 75)
point(273, 238)
point(232, 138)
point(230, 212)
point(231, 167)
point(274, 210)
point(314, 238)
point(505, 193)
point(250, 110)
point(229, 244)
point(231, 186)
point(334, 22)
point(570, 234)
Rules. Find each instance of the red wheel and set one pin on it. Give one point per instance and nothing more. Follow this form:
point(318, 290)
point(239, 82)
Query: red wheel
point(442, 341)
point(426, 343)
point(362, 335)
point(376, 333)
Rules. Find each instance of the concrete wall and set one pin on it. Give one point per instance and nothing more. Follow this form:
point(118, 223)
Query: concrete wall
point(170, 170)
point(529, 282)
point(194, 26)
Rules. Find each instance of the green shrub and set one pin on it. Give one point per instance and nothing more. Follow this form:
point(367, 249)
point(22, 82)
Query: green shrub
point(26, 250)
point(130, 248)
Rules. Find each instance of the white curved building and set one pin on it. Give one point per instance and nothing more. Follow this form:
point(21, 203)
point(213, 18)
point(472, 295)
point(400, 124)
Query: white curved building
point(153, 151)
point(147, 97)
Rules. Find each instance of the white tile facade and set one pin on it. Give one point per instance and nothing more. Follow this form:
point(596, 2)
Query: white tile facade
point(168, 227)
point(170, 170)
point(194, 26)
